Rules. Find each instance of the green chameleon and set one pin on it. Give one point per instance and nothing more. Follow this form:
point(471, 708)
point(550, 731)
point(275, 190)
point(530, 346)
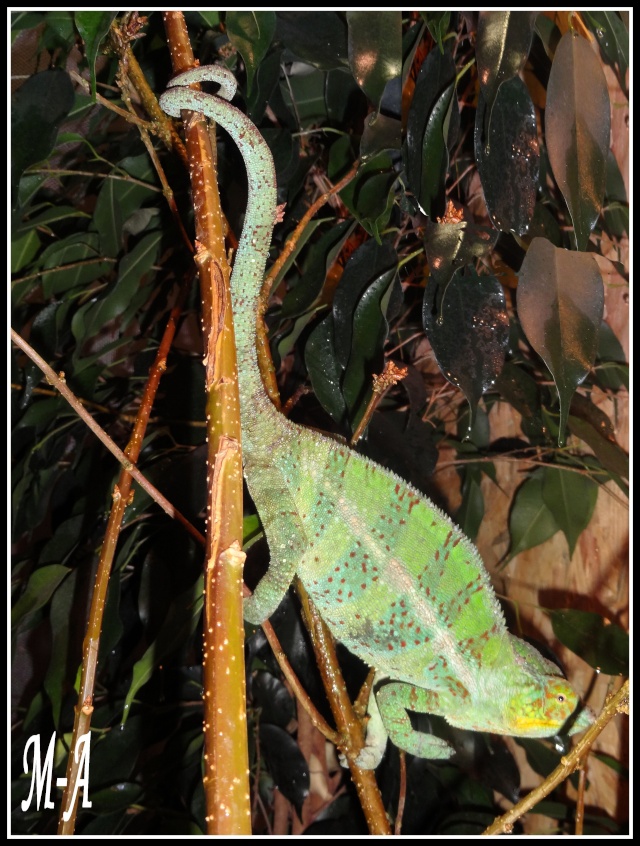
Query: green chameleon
point(394, 579)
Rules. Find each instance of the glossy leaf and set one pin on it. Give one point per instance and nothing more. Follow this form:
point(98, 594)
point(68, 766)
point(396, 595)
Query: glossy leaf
point(560, 302)
point(503, 43)
point(507, 156)
point(603, 645)
point(274, 700)
point(468, 327)
point(324, 371)
point(571, 498)
point(366, 265)
point(376, 35)
point(432, 127)
point(287, 766)
point(613, 38)
point(251, 33)
point(577, 122)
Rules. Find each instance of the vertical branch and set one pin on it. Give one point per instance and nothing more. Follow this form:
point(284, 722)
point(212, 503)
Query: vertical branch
point(121, 497)
point(226, 754)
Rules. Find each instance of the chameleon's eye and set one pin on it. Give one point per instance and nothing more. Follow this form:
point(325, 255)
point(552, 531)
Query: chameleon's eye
point(561, 697)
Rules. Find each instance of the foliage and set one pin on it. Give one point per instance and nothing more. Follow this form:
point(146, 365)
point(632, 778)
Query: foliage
point(440, 117)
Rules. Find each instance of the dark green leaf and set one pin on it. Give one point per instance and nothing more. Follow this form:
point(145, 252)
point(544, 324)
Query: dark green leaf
point(507, 156)
point(93, 27)
point(560, 303)
point(377, 35)
point(603, 645)
point(319, 38)
point(37, 110)
point(287, 766)
point(577, 121)
point(321, 255)
point(251, 33)
point(115, 797)
point(467, 324)
point(119, 298)
point(40, 587)
point(503, 43)
point(23, 248)
point(72, 262)
point(613, 38)
point(369, 262)
point(324, 371)
point(432, 126)
point(274, 700)
point(180, 623)
point(471, 512)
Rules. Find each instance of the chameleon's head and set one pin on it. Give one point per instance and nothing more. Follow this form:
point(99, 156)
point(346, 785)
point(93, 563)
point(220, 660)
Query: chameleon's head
point(541, 708)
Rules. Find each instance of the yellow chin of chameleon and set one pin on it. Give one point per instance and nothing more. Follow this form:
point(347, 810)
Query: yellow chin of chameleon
point(535, 726)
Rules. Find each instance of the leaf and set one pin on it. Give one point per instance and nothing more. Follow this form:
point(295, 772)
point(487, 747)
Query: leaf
point(324, 371)
point(370, 196)
point(93, 27)
point(23, 249)
point(432, 126)
point(508, 157)
point(471, 512)
point(377, 35)
point(40, 587)
point(603, 645)
point(613, 38)
point(274, 700)
point(577, 122)
point(437, 24)
point(321, 255)
point(502, 46)
point(468, 327)
point(287, 765)
point(560, 301)
point(37, 109)
point(251, 33)
point(181, 620)
point(531, 522)
point(571, 498)
point(72, 262)
point(88, 320)
point(612, 457)
point(317, 37)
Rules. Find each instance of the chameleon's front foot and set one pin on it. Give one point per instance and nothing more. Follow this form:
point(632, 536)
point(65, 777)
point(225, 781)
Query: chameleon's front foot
point(392, 700)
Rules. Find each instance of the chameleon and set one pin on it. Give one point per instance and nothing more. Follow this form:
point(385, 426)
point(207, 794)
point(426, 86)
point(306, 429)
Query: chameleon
point(393, 577)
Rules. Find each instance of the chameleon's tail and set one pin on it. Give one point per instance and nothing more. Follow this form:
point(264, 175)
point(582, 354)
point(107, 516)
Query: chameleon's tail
point(251, 257)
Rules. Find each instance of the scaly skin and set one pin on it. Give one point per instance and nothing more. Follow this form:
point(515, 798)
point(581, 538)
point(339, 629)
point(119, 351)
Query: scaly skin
point(394, 578)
